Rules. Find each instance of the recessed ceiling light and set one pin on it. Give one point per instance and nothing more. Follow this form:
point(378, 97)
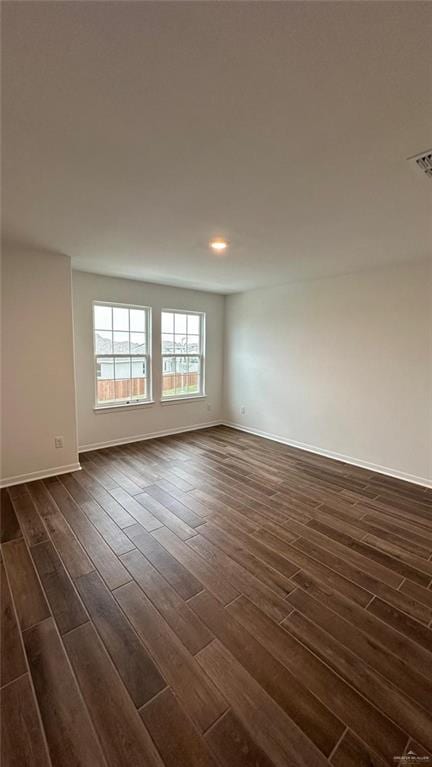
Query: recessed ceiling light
point(218, 244)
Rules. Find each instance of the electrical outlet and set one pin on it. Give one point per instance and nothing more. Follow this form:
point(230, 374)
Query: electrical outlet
point(58, 441)
point(242, 410)
point(209, 407)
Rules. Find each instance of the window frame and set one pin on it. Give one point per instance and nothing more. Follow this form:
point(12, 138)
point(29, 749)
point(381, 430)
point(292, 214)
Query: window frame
point(137, 401)
point(202, 356)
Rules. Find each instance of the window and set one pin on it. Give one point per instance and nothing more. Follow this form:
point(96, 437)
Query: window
point(122, 354)
point(182, 354)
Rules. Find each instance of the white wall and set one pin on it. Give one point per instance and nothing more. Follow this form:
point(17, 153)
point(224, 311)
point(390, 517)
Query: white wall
point(341, 364)
point(123, 424)
point(38, 390)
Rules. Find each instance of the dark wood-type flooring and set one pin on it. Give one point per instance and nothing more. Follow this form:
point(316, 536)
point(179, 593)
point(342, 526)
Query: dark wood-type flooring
point(214, 598)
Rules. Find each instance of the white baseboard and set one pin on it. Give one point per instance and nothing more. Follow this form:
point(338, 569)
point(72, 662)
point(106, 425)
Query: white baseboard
point(335, 456)
point(19, 479)
point(142, 437)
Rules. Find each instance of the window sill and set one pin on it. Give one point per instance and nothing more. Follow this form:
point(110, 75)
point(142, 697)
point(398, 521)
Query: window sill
point(123, 406)
point(176, 400)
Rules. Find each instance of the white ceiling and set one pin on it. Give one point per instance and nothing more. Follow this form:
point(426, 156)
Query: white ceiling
point(134, 131)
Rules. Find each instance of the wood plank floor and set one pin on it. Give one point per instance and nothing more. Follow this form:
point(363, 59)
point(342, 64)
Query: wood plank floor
point(214, 598)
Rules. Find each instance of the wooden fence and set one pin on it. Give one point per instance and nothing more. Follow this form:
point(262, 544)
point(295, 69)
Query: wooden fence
point(108, 390)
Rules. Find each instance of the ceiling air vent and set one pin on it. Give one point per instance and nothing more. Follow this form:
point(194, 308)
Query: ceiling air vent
point(423, 162)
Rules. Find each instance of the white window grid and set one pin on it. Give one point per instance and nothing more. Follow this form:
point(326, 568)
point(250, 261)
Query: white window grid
point(131, 356)
point(184, 354)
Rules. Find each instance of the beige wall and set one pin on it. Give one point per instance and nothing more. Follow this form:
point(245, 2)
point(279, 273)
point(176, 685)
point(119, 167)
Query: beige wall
point(38, 389)
point(123, 424)
point(342, 365)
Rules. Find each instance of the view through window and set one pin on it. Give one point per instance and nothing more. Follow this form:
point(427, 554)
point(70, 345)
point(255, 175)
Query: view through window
point(182, 354)
point(122, 354)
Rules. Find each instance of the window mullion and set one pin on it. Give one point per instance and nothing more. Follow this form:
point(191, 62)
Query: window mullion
point(130, 368)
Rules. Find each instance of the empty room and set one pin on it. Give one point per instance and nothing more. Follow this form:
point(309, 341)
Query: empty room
point(216, 383)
